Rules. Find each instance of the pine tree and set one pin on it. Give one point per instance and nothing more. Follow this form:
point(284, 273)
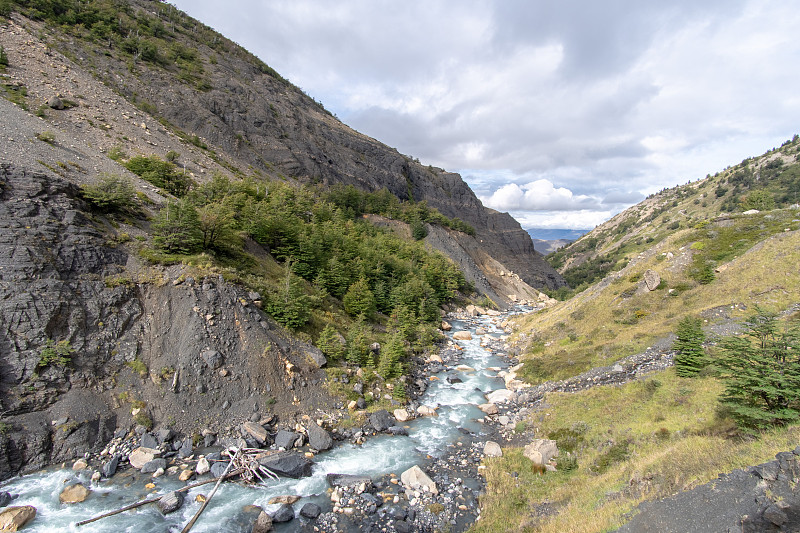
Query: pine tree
point(761, 371)
point(329, 343)
point(358, 343)
point(392, 354)
point(291, 306)
point(359, 299)
point(690, 356)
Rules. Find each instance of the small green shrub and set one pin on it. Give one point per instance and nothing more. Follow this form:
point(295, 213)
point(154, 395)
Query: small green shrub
point(143, 419)
point(110, 193)
point(55, 353)
point(47, 136)
point(617, 453)
point(138, 366)
point(3, 58)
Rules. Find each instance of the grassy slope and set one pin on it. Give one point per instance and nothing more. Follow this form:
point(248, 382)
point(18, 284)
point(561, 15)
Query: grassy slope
point(671, 430)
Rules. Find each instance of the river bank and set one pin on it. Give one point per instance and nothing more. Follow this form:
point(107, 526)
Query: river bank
point(447, 446)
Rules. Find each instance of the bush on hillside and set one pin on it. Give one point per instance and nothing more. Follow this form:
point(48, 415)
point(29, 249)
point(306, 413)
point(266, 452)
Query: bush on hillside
point(110, 193)
point(761, 371)
point(690, 357)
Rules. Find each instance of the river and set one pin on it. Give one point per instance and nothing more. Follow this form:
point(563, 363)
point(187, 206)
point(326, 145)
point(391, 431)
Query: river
point(458, 415)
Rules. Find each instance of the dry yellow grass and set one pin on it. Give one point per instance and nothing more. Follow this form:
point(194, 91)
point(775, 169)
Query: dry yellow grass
point(686, 453)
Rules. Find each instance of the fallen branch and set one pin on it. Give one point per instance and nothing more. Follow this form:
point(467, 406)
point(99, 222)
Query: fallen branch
point(191, 523)
point(153, 500)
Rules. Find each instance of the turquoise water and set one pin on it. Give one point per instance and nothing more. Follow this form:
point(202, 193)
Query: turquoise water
point(457, 408)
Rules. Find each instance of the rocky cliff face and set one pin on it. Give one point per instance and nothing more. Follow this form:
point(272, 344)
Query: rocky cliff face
point(189, 352)
point(258, 121)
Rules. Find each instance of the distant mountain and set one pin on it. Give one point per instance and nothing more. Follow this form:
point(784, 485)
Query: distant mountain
point(545, 247)
point(552, 234)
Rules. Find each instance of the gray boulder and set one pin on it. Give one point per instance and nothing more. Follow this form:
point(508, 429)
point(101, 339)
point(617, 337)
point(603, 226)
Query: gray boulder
point(212, 358)
point(186, 448)
point(151, 466)
point(286, 439)
point(170, 502)
point(651, 279)
point(285, 513)
point(5, 499)
point(381, 420)
point(310, 510)
point(263, 523)
point(148, 441)
point(55, 103)
point(288, 464)
point(164, 435)
point(348, 480)
point(218, 468)
point(318, 438)
point(110, 468)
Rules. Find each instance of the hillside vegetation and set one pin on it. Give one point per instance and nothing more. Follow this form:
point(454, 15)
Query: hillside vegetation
point(725, 248)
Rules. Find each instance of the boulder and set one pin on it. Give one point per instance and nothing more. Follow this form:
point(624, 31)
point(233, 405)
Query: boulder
point(185, 449)
point(435, 358)
point(151, 466)
point(397, 430)
point(481, 331)
point(170, 502)
point(285, 439)
point(5, 498)
point(540, 451)
point(425, 410)
point(256, 431)
point(285, 513)
point(14, 518)
point(348, 480)
point(381, 420)
point(501, 396)
point(310, 510)
point(318, 438)
point(55, 103)
point(203, 467)
point(401, 415)
point(263, 523)
point(141, 456)
point(492, 449)
point(218, 468)
point(110, 468)
point(315, 356)
point(446, 326)
point(415, 479)
point(148, 440)
point(462, 336)
point(651, 279)
point(288, 464)
point(165, 435)
point(186, 474)
point(489, 408)
point(76, 493)
point(80, 464)
point(213, 358)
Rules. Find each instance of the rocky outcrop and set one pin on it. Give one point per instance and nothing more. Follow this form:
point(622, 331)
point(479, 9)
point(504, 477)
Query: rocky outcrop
point(177, 345)
point(760, 498)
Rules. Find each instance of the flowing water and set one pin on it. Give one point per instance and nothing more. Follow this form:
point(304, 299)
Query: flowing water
point(457, 408)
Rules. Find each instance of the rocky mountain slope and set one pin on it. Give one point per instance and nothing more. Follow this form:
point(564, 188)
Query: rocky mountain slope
point(93, 337)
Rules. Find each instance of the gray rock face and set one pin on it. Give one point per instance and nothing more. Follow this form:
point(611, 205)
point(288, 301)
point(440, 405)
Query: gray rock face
point(148, 441)
point(288, 464)
point(263, 523)
point(218, 468)
point(761, 498)
point(170, 502)
point(318, 438)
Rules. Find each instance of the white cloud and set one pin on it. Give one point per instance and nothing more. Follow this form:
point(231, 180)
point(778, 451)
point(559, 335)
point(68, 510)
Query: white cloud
point(539, 195)
point(607, 100)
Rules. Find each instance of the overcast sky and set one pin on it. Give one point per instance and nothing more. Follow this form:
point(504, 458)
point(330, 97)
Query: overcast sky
point(562, 113)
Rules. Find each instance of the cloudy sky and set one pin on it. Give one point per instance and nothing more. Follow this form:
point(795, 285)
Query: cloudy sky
point(562, 113)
